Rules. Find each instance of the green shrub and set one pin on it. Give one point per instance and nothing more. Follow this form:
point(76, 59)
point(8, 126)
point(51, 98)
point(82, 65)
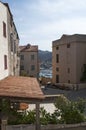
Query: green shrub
point(71, 112)
point(29, 118)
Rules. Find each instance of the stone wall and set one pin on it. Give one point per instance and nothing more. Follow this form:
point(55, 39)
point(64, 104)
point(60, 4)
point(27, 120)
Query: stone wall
point(81, 126)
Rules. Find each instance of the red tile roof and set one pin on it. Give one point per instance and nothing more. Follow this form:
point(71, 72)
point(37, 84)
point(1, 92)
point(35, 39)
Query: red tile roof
point(20, 87)
point(28, 48)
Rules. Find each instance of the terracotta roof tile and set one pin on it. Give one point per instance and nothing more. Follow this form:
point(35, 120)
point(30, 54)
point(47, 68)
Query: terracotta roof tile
point(23, 87)
point(28, 48)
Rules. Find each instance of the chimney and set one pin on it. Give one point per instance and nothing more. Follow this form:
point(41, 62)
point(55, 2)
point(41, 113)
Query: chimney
point(28, 46)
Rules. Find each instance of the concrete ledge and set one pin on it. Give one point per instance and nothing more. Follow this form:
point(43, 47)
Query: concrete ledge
point(80, 126)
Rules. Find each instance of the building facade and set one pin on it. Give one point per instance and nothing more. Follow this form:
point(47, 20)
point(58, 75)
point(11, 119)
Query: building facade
point(9, 42)
point(69, 59)
point(29, 63)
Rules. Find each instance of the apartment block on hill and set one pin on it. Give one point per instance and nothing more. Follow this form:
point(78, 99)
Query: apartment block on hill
point(69, 59)
point(29, 63)
point(9, 40)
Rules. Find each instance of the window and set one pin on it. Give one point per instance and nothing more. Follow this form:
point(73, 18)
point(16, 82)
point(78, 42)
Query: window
point(5, 62)
point(11, 41)
point(68, 70)
point(57, 78)
point(22, 57)
point(14, 46)
point(21, 67)
point(68, 81)
point(57, 69)
point(68, 45)
point(57, 48)
point(32, 67)
point(18, 54)
point(11, 21)
point(57, 58)
point(4, 29)
point(84, 65)
point(32, 57)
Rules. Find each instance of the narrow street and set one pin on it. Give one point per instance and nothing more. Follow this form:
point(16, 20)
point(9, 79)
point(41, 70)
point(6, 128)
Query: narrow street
point(70, 94)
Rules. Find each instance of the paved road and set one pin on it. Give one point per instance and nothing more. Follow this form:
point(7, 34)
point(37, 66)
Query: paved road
point(70, 94)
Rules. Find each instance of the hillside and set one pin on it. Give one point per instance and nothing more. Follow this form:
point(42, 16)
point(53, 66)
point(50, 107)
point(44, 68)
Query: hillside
point(45, 58)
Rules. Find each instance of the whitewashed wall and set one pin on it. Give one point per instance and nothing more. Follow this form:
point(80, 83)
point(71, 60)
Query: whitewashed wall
point(3, 41)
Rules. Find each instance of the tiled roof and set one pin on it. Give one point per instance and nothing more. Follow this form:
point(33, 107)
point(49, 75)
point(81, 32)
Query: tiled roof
point(28, 48)
point(20, 87)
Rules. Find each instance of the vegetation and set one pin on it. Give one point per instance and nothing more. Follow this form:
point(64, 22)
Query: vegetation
point(23, 73)
point(23, 118)
point(71, 112)
point(47, 118)
point(68, 112)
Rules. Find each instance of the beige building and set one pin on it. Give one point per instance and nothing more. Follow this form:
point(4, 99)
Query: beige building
point(9, 41)
point(69, 59)
point(29, 63)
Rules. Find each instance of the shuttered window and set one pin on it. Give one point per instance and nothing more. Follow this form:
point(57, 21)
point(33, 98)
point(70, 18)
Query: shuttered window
point(4, 29)
point(5, 62)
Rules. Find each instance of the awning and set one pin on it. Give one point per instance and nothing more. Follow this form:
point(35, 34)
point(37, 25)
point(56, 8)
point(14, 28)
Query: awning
point(20, 87)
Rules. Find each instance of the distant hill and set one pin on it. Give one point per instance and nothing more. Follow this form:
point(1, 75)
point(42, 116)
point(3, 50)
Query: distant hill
point(45, 56)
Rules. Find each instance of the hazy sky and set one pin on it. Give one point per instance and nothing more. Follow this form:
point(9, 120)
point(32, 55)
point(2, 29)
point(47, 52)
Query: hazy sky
point(42, 21)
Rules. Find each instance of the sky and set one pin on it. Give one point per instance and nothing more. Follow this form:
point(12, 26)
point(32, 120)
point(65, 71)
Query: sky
point(39, 22)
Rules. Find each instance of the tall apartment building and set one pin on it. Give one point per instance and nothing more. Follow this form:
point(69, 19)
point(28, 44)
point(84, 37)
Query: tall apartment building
point(69, 59)
point(29, 63)
point(9, 40)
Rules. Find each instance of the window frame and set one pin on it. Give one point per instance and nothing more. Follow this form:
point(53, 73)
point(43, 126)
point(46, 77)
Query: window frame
point(32, 67)
point(57, 78)
point(21, 67)
point(68, 70)
point(22, 57)
point(68, 45)
point(69, 81)
point(57, 48)
point(4, 29)
point(32, 57)
point(57, 69)
point(57, 58)
point(5, 62)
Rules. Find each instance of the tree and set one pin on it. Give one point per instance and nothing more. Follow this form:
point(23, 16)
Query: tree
point(71, 112)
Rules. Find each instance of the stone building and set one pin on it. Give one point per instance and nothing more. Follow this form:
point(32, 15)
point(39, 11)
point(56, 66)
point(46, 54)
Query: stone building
point(69, 59)
point(29, 63)
point(9, 41)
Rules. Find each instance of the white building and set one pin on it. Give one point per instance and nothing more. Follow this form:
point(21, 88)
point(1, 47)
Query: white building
point(9, 60)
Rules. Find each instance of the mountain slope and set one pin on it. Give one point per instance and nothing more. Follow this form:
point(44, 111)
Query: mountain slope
point(45, 56)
